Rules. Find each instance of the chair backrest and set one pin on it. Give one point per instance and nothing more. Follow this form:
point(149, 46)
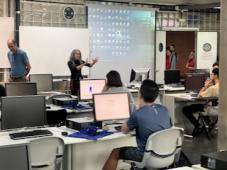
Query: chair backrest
point(161, 148)
point(44, 153)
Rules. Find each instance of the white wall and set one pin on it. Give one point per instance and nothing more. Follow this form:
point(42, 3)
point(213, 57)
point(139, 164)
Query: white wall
point(49, 48)
point(205, 59)
point(6, 32)
point(160, 57)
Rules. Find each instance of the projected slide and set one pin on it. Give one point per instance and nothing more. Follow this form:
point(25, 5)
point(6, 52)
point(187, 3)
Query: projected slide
point(123, 38)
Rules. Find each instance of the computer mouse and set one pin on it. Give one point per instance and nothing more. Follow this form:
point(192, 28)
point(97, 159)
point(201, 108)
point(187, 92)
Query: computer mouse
point(64, 133)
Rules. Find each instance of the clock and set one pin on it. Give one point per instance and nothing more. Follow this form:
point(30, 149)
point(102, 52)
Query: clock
point(207, 47)
point(68, 13)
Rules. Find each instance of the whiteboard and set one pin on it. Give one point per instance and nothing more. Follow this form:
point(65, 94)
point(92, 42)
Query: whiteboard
point(49, 48)
point(6, 32)
point(206, 49)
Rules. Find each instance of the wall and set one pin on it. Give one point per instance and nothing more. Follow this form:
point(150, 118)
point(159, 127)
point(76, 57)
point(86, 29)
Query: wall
point(185, 43)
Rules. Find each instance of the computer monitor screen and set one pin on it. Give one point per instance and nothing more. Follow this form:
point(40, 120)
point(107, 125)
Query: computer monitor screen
point(20, 89)
point(139, 74)
point(14, 158)
point(111, 106)
point(90, 86)
point(24, 111)
point(194, 81)
point(172, 76)
point(44, 81)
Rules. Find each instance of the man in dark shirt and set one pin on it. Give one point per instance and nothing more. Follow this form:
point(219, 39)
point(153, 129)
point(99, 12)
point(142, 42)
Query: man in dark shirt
point(75, 65)
point(149, 118)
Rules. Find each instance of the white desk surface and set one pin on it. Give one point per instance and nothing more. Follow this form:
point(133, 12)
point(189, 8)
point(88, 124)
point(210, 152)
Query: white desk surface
point(183, 168)
point(194, 167)
point(5, 139)
point(182, 96)
point(55, 108)
point(170, 88)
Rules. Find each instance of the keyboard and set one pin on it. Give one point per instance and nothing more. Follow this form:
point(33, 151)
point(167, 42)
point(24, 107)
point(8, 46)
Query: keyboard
point(30, 134)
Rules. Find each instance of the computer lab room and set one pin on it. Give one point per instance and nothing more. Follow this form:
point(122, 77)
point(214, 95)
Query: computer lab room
point(113, 85)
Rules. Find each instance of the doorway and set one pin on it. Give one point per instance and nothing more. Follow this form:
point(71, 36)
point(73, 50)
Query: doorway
point(184, 42)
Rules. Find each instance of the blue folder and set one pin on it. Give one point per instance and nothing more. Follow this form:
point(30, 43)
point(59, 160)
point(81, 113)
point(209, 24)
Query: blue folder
point(89, 137)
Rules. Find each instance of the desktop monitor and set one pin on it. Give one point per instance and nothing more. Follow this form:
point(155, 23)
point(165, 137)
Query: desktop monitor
point(23, 111)
point(194, 81)
point(88, 87)
point(20, 89)
point(139, 74)
point(14, 157)
point(111, 106)
point(44, 81)
point(205, 71)
point(172, 76)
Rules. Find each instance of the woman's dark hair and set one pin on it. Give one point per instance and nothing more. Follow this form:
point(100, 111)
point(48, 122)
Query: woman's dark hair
point(216, 72)
point(149, 90)
point(215, 64)
point(113, 79)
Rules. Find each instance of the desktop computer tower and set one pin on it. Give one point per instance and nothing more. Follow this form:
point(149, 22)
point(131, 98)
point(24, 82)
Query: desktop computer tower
point(214, 161)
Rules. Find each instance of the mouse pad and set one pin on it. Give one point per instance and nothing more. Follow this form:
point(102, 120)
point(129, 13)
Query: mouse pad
point(86, 136)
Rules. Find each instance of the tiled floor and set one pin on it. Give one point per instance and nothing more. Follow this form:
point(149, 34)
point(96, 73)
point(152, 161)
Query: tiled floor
point(194, 148)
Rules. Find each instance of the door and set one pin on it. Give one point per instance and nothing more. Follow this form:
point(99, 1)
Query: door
point(160, 62)
point(206, 49)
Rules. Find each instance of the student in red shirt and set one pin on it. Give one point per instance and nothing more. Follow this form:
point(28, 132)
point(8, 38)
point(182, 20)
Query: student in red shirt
point(168, 58)
point(191, 61)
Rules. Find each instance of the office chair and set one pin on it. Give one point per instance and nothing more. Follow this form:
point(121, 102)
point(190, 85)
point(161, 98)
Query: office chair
point(162, 150)
point(46, 153)
point(208, 118)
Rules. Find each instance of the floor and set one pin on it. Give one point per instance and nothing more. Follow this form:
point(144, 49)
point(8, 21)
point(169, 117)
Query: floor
point(195, 147)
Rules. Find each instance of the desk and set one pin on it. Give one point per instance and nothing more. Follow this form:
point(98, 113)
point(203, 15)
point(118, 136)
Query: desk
point(194, 167)
point(81, 154)
point(69, 111)
point(175, 103)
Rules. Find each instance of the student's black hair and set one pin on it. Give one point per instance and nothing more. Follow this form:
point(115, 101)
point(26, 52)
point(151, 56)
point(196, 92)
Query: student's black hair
point(215, 71)
point(113, 79)
point(149, 91)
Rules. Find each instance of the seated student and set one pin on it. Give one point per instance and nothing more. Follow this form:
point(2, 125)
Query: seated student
point(114, 84)
point(215, 65)
point(210, 89)
point(149, 118)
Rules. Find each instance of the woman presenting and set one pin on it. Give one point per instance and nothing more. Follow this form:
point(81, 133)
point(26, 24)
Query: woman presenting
point(75, 65)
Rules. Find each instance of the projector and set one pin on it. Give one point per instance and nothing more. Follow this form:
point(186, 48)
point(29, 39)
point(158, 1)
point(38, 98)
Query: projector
point(81, 123)
point(214, 161)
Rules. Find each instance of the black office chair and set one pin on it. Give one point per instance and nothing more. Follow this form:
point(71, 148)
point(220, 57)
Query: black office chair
point(208, 118)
